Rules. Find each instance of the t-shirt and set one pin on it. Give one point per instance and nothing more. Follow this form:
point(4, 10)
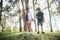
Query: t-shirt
point(28, 17)
point(40, 16)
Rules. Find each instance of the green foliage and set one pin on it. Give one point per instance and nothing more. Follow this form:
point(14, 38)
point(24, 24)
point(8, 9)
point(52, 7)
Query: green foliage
point(19, 11)
point(52, 13)
point(6, 8)
point(51, 2)
point(16, 29)
point(16, 1)
point(58, 8)
point(7, 28)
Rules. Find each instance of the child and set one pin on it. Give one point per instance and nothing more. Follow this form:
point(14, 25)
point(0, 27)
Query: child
point(28, 20)
point(40, 17)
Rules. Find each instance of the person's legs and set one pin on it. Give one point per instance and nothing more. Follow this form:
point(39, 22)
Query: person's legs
point(30, 27)
point(27, 26)
point(38, 27)
point(42, 27)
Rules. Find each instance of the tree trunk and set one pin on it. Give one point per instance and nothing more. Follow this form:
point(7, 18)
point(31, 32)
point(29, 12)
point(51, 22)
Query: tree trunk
point(23, 15)
point(26, 6)
point(26, 3)
point(1, 14)
point(0, 11)
point(49, 16)
point(34, 12)
point(59, 7)
point(20, 22)
point(20, 29)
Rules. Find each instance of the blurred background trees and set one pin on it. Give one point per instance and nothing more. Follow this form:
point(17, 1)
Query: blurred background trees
point(12, 18)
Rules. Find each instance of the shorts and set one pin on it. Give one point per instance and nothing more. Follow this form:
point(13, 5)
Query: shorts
point(39, 22)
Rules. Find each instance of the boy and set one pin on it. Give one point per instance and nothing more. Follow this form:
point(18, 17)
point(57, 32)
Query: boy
point(40, 17)
point(28, 20)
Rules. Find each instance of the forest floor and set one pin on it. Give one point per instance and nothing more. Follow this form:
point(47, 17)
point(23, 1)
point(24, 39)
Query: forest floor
point(25, 36)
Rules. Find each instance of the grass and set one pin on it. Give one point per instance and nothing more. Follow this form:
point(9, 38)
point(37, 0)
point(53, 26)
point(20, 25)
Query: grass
point(24, 36)
point(8, 34)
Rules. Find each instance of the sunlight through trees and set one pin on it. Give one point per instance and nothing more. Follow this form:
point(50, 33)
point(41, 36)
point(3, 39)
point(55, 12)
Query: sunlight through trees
point(13, 14)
